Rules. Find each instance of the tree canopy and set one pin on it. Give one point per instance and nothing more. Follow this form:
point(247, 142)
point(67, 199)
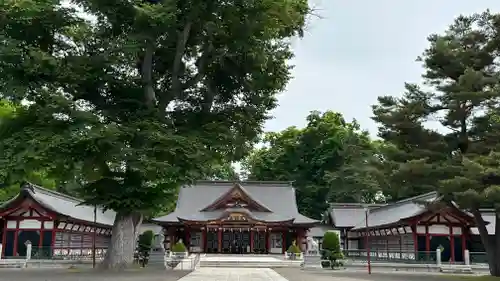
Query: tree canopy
point(137, 96)
point(460, 93)
point(322, 160)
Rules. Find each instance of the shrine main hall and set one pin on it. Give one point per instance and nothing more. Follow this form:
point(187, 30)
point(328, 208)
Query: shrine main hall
point(243, 217)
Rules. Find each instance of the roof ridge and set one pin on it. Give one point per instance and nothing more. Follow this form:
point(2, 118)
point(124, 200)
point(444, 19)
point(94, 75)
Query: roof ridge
point(406, 200)
point(53, 192)
point(357, 204)
point(245, 182)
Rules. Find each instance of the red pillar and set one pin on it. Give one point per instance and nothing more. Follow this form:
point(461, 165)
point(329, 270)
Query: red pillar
point(283, 235)
point(300, 239)
point(16, 234)
point(204, 239)
point(415, 238)
point(172, 237)
point(427, 242)
point(187, 236)
point(251, 240)
point(53, 241)
point(219, 239)
point(4, 236)
point(267, 241)
point(452, 245)
point(464, 244)
point(427, 239)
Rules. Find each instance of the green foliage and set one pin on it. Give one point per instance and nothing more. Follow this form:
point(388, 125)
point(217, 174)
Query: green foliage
point(294, 248)
point(143, 97)
point(461, 94)
point(179, 247)
point(223, 171)
point(326, 161)
point(331, 249)
point(331, 241)
point(145, 241)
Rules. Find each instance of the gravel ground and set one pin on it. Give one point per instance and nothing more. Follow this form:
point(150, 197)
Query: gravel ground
point(88, 275)
point(296, 274)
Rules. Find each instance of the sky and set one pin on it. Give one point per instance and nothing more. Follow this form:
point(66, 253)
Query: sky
point(358, 50)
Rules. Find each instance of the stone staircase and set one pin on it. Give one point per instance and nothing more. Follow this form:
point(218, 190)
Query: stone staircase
point(248, 262)
point(156, 258)
point(12, 263)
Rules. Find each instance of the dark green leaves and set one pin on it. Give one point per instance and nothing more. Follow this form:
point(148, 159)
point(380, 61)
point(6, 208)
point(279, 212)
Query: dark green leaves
point(327, 161)
point(135, 99)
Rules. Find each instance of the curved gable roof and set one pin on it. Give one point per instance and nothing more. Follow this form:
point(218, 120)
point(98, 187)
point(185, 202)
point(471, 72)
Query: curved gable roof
point(278, 197)
point(61, 204)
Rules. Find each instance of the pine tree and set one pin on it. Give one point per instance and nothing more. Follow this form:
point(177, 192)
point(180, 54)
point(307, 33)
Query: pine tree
point(461, 94)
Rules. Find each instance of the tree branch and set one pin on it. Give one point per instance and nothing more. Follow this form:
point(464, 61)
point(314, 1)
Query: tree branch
point(208, 96)
point(146, 73)
point(202, 64)
point(483, 233)
point(180, 49)
point(179, 53)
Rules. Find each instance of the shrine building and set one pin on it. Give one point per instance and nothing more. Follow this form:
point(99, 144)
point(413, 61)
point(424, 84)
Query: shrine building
point(57, 225)
point(409, 229)
point(243, 217)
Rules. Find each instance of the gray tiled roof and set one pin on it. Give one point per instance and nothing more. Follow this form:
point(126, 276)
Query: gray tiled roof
point(65, 205)
point(349, 214)
point(278, 197)
point(397, 211)
point(320, 230)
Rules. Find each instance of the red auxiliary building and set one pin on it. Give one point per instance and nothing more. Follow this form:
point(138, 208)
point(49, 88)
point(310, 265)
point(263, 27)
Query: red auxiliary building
point(408, 229)
point(55, 224)
point(244, 217)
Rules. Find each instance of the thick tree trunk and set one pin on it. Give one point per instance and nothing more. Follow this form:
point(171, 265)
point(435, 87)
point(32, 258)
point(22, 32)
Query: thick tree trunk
point(491, 244)
point(120, 254)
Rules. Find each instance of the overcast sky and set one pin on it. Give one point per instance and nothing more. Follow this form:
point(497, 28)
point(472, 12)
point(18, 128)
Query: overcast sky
point(362, 49)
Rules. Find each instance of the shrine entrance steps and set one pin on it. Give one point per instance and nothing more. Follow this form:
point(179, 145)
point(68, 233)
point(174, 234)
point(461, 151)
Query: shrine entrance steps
point(247, 261)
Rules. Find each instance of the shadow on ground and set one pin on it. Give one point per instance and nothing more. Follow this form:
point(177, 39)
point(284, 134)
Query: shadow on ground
point(90, 275)
point(296, 274)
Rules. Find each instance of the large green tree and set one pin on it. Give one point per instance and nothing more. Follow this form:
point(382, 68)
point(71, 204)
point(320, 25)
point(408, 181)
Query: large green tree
point(139, 96)
point(10, 188)
point(461, 93)
point(327, 162)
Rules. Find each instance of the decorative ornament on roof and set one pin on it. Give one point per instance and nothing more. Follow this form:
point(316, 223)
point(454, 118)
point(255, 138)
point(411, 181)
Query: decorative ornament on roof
point(236, 194)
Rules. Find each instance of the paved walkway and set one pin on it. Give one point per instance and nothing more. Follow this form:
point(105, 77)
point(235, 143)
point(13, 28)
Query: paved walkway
point(233, 274)
point(242, 259)
point(296, 274)
point(88, 275)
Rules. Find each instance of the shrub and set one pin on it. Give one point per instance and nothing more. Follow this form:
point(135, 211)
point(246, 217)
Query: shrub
point(179, 247)
point(331, 249)
point(294, 248)
point(145, 241)
point(331, 241)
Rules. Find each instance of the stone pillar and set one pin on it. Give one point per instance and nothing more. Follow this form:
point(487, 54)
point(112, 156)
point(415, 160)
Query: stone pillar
point(29, 247)
point(467, 257)
point(438, 257)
